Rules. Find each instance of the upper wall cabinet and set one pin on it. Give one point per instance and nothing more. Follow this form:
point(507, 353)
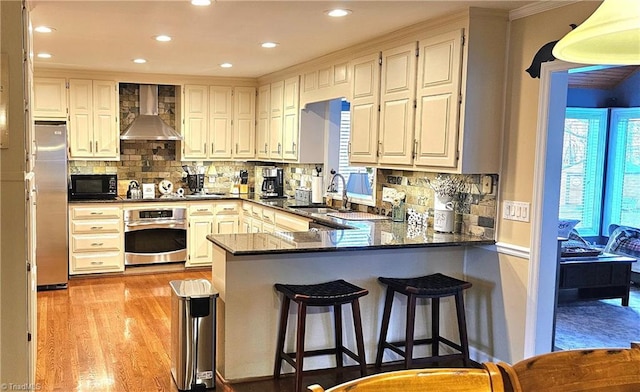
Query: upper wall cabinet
point(440, 104)
point(280, 135)
point(218, 122)
point(50, 98)
point(94, 125)
point(325, 83)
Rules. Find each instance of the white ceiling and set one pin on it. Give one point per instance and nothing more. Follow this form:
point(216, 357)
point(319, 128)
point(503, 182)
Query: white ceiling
point(108, 35)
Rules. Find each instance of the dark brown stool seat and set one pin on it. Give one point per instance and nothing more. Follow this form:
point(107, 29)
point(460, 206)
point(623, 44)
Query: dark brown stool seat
point(434, 287)
point(335, 293)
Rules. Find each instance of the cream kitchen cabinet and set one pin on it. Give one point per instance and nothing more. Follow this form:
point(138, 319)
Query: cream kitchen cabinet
point(218, 123)
point(219, 217)
point(276, 120)
point(447, 119)
point(280, 135)
point(94, 122)
point(325, 83)
point(382, 111)
point(244, 122)
point(263, 121)
point(365, 103)
point(397, 98)
point(96, 241)
point(50, 99)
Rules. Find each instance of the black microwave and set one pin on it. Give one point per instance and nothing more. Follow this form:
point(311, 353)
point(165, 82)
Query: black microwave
point(93, 187)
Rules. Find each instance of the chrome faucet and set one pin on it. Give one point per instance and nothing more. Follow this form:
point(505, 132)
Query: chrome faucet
point(332, 188)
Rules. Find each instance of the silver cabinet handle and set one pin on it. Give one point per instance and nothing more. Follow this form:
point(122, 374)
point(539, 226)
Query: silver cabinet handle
point(212, 148)
point(97, 262)
point(96, 213)
point(205, 149)
point(415, 148)
point(96, 227)
point(265, 147)
point(97, 244)
point(294, 147)
point(96, 146)
point(202, 209)
point(236, 148)
point(279, 148)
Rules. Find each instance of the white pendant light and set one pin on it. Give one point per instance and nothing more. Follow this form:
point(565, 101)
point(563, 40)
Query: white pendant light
point(610, 36)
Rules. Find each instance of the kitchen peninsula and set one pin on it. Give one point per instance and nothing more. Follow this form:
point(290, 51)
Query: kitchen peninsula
point(246, 266)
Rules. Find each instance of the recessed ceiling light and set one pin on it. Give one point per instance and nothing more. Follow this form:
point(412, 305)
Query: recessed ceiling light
point(139, 61)
point(44, 55)
point(269, 44)
point(44, 29)
point(163, 38)
point(226, 65)
point(338, 12)
point(201, 3)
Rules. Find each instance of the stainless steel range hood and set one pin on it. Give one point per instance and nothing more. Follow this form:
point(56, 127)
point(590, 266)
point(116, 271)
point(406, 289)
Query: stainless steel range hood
point(148, 125)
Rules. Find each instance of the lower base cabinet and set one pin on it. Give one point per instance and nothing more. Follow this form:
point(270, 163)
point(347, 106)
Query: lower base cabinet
point(96, 241)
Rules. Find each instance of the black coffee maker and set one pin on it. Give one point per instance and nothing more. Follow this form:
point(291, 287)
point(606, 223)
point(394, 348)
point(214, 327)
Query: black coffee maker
point(272, 183)
point(195, 182)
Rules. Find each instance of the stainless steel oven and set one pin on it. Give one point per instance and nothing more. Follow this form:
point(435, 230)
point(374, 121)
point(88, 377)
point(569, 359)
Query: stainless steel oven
point(155, 235)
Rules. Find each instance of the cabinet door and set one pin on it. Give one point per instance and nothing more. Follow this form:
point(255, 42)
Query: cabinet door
point(200, 249)
point(196, 112)
point(291, 99)
point(397, 97)
point(50, 98)
point(106, 127)
point(438, 100)
point(227, 224)
point(80, 118)
point(244, 122)
point(264, 119)
point(276, 122)
point(220, 117)
point(365, 86)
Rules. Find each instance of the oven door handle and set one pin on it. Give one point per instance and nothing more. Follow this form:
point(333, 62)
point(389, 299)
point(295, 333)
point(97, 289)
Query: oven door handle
point(155, 225)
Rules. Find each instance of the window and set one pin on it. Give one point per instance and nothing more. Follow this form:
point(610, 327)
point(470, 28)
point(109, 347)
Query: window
point(342, 162)
point(622, 201)
point(583, 156)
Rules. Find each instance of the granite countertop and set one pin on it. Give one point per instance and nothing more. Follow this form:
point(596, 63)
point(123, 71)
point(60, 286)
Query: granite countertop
point(342, 234)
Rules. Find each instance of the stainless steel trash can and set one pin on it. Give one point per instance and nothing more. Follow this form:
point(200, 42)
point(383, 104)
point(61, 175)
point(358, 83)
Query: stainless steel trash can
point(193, 335)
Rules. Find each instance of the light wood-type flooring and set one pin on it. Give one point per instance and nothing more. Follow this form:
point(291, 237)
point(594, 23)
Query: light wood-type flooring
point(114, 334)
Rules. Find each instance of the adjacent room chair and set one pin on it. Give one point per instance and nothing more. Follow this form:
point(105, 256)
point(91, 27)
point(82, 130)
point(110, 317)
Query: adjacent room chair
point(603, 369)
point(441, 380)
point(335, 294)
point(433, 287)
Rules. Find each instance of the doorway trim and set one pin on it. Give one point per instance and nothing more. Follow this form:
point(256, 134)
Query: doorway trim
point(541, 292)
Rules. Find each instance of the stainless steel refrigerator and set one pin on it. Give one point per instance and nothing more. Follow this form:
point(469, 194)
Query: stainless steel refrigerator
point(51, 204)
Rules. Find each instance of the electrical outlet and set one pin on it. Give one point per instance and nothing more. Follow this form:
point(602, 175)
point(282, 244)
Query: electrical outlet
point(515, 210)
point(487, 185)
point(388, 194)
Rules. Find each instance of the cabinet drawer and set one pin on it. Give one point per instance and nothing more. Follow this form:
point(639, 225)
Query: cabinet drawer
point(291, 223)
point(95, 213)
point(96, 243)
point(89, 227)
point(201, 209)
point(269, 216)
point(222, 208)
point(246, 209)
point(97, 262)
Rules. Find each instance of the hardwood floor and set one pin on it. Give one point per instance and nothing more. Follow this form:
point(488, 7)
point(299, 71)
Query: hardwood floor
point(114, 334)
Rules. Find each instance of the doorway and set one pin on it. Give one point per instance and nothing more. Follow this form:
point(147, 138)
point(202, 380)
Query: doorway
point(554, 81)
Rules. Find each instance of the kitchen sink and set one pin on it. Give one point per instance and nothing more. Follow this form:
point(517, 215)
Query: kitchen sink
point(315, 210)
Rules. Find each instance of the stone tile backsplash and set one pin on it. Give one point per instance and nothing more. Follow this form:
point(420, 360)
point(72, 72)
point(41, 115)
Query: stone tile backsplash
point(153, 161)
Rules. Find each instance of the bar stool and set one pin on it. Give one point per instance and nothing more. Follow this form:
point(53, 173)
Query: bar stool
point(335, 293)
point(434, 286)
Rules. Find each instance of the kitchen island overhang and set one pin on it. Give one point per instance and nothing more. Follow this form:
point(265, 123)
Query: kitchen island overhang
point(246, 266)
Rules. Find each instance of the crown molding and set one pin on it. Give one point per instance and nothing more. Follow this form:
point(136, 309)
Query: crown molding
point(538, 7)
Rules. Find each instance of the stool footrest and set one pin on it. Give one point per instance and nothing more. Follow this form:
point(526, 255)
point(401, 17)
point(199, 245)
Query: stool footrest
point(394, 346)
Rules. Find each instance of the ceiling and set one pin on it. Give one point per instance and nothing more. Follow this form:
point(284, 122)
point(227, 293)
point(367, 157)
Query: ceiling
point(108, 35)
point(604, 79)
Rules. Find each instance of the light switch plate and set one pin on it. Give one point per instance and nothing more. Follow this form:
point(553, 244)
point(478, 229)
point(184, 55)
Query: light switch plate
point(516, 210)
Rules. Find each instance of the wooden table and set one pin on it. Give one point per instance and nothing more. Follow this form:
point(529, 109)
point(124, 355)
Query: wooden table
point(600, 277)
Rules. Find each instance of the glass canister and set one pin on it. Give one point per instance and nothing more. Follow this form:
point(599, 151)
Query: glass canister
point(399, 212)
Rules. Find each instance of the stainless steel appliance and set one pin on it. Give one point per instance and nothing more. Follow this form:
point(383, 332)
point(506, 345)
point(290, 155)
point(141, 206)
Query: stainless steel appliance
point(155, 235)
point(195, 182)
point(272, 183)
point(93, 187)
point(51, 208)
point(134, 191)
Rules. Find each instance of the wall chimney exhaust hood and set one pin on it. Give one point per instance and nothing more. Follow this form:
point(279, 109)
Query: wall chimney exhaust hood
point(148, 125)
